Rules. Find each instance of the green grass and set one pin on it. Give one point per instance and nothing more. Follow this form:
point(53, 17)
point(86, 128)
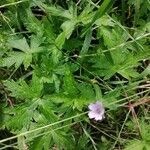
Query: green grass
point(57, 57)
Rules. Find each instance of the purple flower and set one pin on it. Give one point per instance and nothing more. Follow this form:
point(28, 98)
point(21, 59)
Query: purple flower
point(96, 111)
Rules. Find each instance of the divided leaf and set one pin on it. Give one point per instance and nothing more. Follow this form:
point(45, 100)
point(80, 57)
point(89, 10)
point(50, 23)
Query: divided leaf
point(25, 56)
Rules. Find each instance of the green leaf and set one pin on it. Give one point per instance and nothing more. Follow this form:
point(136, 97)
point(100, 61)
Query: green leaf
point(86, 15)
point(20, 44)
point(127, 73)
point(105, 7)
point(25, 57)
point(104, 21)
point(41, 142)
point(19, 118)
point(27, 60)
point(56, 11)
point(86, 43)
point(15, 58)
point(68, 27)
point(98, 92)
point(47, 110)
point(146, 71)
point(22, 90)
point(33, 24)
point(86, 91)
point(111, 97)
point(35, 42)
point(70, 84)
point(138, 144)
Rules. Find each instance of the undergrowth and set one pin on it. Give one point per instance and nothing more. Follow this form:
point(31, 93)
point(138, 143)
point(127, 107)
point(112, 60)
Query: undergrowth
point(57, 57)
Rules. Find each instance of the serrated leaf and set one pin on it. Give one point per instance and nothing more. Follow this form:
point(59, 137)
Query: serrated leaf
point(104, 21)
point(20, 119)
point(68, 27)
point(86, 90)
point(27, 60)
point(86, 43)
point(86, 15)
point(15, 58)
point(56, 11)
point(25, 57)
point(41, 142)
point(33, 24)
point(70, 85)
point(47, 111)
point(20, 44)
point(22, 90)
point(105, 7)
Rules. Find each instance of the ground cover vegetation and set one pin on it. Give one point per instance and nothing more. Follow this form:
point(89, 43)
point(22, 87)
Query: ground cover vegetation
point(60, 58)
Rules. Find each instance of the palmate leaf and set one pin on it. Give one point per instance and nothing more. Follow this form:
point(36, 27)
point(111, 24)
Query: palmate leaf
point(47, 110)
point(24, 56)
point(30, 115)
point(16, 58)
point(62, 139)
point(18, 118)
point(58, 11)
point(36, 114)
point(104, 8)
point(53, 139)
point(124, 61)
point(67, 27)
point(49, 31)
point(33, 24)
point(55, 49)
point(74, 96)
point(112, 38)
point(125, 68)
point(24, 91)
point(51, 73)
point(20, 44)
point(83, 140)
point(68, 102)
point(69, 22)
point(41, 142)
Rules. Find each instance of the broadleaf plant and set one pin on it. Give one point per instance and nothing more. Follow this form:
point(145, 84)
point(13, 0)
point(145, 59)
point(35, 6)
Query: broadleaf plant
point(61, 58)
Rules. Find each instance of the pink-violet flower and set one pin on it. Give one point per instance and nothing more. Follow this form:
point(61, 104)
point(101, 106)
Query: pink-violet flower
point(96, 111)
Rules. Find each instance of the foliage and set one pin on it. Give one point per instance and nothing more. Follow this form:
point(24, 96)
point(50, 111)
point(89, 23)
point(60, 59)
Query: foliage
point(57, 57)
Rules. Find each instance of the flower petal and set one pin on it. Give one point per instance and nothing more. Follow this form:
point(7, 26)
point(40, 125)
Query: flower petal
point(91, 106)
point(95, 106)
point(92, 114)
point(96, 111)
point(98, 117)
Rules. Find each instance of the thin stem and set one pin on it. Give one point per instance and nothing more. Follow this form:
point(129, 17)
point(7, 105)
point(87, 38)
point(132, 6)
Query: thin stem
point(121, 129)
point(14, 3)
point(43, 127)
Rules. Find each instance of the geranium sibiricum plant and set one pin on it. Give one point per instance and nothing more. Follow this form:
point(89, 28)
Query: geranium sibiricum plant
point(96, 111)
